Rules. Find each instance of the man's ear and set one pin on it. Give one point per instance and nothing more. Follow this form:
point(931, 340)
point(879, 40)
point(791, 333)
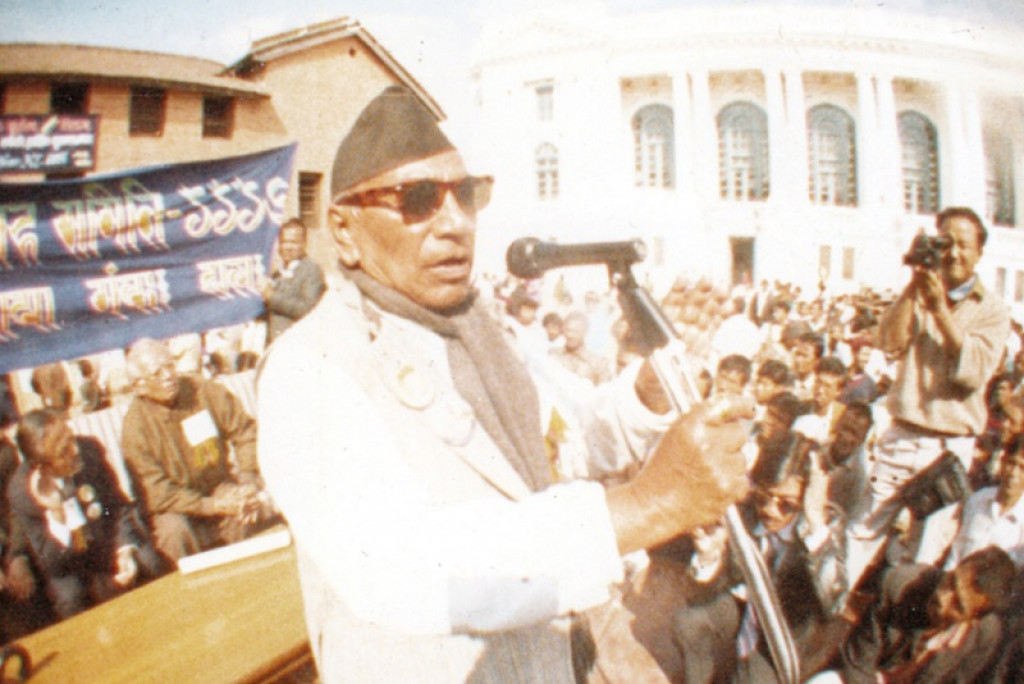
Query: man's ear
point(340, 220)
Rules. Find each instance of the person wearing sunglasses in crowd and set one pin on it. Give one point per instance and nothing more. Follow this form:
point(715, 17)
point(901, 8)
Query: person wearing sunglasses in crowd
point(719, 637)
point(403, 440)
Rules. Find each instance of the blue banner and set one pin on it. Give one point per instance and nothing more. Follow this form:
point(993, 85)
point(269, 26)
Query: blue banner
point(92, 264)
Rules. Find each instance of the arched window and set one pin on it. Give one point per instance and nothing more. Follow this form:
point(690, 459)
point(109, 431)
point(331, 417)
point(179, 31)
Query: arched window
point(1000, 205)
point(547, 171)
point(832, 156)
point(920, 147)
point(743, 152)
point(654, 143)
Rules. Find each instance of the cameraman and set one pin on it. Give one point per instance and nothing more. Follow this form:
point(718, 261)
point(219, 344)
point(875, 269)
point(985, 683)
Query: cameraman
point(948, 332)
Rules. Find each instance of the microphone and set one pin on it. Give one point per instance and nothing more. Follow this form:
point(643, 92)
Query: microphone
point(530, 258)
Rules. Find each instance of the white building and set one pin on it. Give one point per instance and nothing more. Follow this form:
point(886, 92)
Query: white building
point(790, 143)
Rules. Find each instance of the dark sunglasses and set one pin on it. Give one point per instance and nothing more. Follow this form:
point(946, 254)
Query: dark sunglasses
point(784, 505)
point(420, 200)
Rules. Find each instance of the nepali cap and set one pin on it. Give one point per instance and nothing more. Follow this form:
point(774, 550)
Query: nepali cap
point(395, 128)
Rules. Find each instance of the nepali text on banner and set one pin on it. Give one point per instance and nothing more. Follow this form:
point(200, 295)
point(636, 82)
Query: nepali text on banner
point(92, 264)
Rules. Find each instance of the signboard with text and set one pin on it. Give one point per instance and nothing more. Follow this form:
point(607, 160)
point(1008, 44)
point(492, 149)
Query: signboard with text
point(48, 143)
point(93, 264)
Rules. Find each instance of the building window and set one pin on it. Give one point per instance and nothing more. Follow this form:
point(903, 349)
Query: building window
point(309, 198)
point(545, 101)
point(848, 263)
point(1000, 284)
point(832, 156)
point(3, 98)
point(218, 117)
point(654, 147)
point(1018, 287)
point(147, 111)
point(69, 98)
point(920, 147)
point(743, 152)
point(547, 171)
point(1000, 208)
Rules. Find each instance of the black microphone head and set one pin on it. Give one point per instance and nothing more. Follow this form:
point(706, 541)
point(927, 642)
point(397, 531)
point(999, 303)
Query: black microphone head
point(520, 258)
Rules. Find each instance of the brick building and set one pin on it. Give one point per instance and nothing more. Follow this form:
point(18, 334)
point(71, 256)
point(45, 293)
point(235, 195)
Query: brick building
point(305, 86)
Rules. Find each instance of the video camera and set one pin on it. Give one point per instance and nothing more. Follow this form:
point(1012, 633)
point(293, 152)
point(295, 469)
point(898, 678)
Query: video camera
point(927, 251)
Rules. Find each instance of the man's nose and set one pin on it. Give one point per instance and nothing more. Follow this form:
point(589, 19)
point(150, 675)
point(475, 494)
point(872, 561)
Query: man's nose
point(452, 220)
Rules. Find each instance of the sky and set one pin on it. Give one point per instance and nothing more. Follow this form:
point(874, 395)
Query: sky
point(431, 38)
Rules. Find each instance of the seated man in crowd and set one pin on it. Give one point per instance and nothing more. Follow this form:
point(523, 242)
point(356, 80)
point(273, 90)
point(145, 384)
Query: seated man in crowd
point(772, 378)
point(576, 356)
point(79, 525)
point(1005, 422)
point(932, 626)
point(780, 413)
point(994, 516)
point(175, 440)
point(860, 386)
point(732, 375)
point(803, 549)
point(846, 460)
point(807, 349)
point(51, 383)
point(825, 409)
point(23, 609)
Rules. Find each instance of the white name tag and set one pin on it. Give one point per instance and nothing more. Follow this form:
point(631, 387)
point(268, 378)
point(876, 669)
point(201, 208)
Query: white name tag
point(199, 428)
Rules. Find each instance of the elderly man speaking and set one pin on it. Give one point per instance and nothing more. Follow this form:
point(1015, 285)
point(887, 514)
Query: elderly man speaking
point(404, 441)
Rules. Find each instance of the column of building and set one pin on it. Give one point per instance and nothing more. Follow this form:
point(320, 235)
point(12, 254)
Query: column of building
point(682, 125)
point(869, 187)
point(965, 166)
point(787, 136)
point(796, 150)
point(889, 161)
point(705, 137)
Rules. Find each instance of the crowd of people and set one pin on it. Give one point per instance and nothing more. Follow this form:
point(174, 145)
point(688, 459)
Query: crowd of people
point(884, 460)
point(73, 533)
point(471, 469)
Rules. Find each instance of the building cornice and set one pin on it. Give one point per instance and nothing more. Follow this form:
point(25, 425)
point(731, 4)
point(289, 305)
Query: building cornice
point(75, 63)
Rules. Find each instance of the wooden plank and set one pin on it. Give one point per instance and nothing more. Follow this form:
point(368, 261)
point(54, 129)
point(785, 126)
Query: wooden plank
point(242, 621)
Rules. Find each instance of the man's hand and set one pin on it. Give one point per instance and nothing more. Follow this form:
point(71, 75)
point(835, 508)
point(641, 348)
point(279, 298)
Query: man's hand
point(931, 291)
point(228, 501)
point(650, 391)
point(127, 568)
point(240, 501)
point(694, 475)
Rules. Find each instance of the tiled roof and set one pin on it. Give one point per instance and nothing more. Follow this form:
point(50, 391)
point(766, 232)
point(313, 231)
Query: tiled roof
point(19, 61)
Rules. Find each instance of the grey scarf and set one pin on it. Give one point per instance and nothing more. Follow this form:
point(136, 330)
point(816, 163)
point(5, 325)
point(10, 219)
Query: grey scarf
point(486, 372)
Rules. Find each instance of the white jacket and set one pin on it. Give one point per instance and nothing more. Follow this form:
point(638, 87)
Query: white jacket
point(422, 554)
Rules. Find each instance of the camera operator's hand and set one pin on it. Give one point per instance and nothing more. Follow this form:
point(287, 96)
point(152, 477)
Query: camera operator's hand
point(927, 292)
point(931, 289)
point(693, 476)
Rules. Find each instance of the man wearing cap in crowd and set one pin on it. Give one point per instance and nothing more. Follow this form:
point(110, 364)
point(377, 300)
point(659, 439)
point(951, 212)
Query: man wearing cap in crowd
point(402, 439)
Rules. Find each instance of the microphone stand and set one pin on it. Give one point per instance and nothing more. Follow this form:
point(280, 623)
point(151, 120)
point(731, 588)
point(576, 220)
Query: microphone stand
point(654, 336)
